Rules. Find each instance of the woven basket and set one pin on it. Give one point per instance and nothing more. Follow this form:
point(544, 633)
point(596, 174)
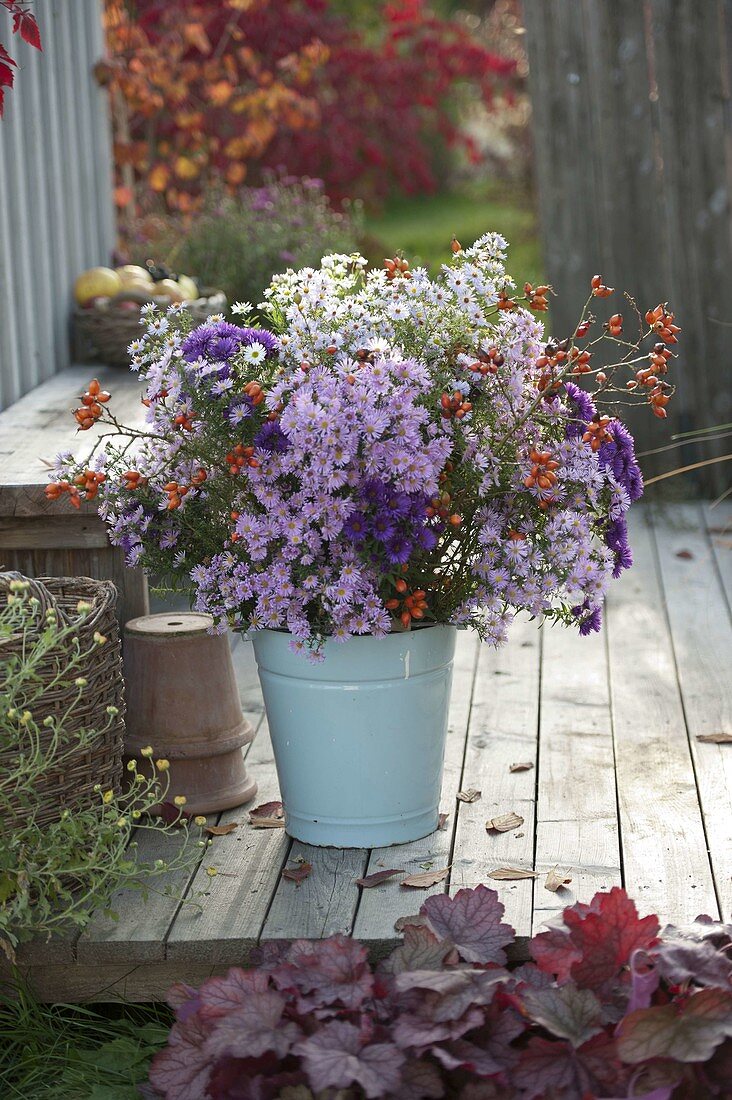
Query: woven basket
point(98, 762)
point(104, 332)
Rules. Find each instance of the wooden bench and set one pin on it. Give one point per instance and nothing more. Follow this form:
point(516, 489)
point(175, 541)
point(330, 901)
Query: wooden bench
point(39, 537)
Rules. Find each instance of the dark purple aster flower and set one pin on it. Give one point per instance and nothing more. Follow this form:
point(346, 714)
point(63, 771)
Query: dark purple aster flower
point(383, 527)
point(217, 340)
point(398, 504)
point(261, 336)
point(239, 409)
point(356, 528)
point(427, 538)
point(616, 537)
point(270, 437)
point(398, 549)
point(372, 491)
point(592, 623)
point(584, 409)
point(223, 347)
point(618, 455)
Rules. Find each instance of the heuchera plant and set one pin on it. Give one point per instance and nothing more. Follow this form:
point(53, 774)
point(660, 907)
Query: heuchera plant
point(606, 1009)
point(405, 450)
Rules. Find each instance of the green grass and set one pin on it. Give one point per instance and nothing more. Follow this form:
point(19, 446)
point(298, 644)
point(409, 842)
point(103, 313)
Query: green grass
point(76, 1052)
point(423, 226)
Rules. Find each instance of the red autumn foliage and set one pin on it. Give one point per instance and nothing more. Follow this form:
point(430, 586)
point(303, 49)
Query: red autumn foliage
point(206, 91)
point(24, 24)
point(609, 1009)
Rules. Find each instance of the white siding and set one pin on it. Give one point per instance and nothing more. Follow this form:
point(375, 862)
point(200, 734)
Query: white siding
point(56, 208)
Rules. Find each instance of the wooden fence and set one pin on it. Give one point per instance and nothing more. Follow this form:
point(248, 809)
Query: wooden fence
point(633, 140)
point(56, 210)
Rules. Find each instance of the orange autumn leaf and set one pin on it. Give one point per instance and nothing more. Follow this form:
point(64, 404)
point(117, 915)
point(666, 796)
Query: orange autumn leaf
point(186, 169)
point(195, 35)
point(220, 93)
point(123, 196)
point(158, 178)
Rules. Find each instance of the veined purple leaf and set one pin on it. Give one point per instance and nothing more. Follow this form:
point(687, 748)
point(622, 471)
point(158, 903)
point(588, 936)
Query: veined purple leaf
point(472, 921)
point(336, 1057)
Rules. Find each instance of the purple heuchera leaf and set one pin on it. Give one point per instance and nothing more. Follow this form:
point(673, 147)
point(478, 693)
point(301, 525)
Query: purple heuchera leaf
point(182, 1070)
point(472, 921)
point(644, 980)
point(332, 971)
point(567, 1012)
point(464, 1055)
point(698, 952)
point(336, 1057)
point(231, 991)
point(421, 950)
point(457, 990)
point(420, 1080)
point(691, 1034)
point(254, 1028)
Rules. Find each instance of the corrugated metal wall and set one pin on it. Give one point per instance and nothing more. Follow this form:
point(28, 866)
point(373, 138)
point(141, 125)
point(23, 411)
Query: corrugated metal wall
point(56, 209)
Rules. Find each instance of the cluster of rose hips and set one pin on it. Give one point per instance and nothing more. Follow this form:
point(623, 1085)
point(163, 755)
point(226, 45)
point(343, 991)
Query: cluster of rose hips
point(240, 457)
point(133, 480)
point(176, 491)
point(413, 604)
point(662, 323)
point(254, 392)
point(542, 471)
point(87, 482)
point(615, 325)
point(455, 405)
point(397, 268)
point(488, 362)
point(596, 433)
point(599, 290)
point(503, 302)
point(537, 296)
point(440, 506)
point(184, 421)
point(91, 408)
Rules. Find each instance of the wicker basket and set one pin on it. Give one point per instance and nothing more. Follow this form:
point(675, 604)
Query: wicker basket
point(100, 761)
point(104, 332)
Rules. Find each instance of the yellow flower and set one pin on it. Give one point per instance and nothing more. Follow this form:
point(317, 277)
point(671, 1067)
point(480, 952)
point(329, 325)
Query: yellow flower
point(180, 800)
point(162, 765)
point(107, 797)
point(147, 751)
point(82, 607)
point(131, 765)
point(211, 872)
point(81, 681)
point(200, 820)
point(136, 815)
point(121, 822)
point(99, 638)
point(25, 718)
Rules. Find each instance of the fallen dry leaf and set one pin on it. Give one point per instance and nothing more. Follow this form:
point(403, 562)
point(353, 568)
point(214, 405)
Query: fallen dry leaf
point(429, 878)
point(415, 921)
point(522, 766)
point(470, 795)
point(554, 879)
point(377, 877)
point(715, 738)
point(269, 815)
point(510, 873)
point(221, 830)
point(442, 821)
point(505, 822)
point(685, 554)
point(299, 873)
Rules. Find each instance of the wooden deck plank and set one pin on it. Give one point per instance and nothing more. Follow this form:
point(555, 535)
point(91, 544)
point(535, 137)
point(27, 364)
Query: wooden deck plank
point(325, 902)
point(577, 827)
point(503, 730)
point(702, 638)
point(718, 521)
point(380, 906)
point(665, 863)
point(248, 863)
point(111, 982)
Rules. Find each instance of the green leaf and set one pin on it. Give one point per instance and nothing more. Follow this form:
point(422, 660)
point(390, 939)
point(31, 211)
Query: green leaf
point(689, 1035)
point(567, 1012)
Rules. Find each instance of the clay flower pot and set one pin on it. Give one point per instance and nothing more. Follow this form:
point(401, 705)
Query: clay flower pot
point(182, 699)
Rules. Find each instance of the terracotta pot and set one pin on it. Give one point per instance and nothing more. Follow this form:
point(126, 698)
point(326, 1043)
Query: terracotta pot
point(182, 699)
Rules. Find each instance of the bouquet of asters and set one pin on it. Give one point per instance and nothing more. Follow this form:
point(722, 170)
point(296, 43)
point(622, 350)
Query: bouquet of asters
point(384, 449)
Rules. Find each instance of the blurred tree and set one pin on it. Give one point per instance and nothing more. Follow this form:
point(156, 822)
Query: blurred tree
point(362, 95)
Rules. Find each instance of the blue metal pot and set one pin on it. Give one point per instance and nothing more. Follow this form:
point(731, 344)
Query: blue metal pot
point(359, 738)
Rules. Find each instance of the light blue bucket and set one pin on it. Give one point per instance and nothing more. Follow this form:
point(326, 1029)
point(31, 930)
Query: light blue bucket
point(359, 739)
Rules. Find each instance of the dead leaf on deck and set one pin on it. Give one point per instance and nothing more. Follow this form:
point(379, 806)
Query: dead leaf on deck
point(377, 877)
point(470, 795)
point(685, 554)
point(715, 738)
point(508, 874)
point(442, 821)
point(298, 873)
point(522, 766)
point(269, 815)
point(554, 879)
point(505, 822)
point(221, 830)
point(415, 921)
point(429, 878)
